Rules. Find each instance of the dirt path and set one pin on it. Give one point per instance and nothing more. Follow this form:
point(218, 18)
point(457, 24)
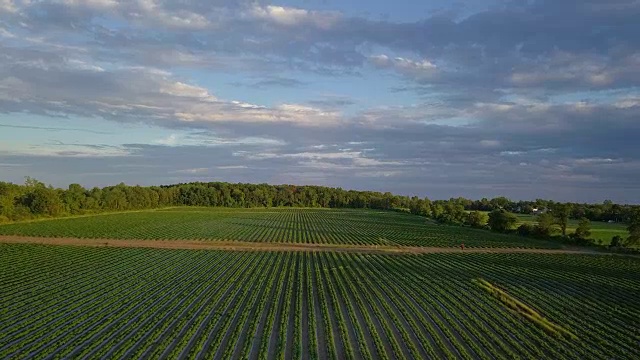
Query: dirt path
point(255, 246)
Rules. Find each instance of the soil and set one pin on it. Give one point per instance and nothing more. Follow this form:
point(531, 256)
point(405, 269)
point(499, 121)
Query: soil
point(275, 246)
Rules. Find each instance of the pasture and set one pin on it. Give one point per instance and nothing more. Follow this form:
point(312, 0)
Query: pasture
point(602, 231)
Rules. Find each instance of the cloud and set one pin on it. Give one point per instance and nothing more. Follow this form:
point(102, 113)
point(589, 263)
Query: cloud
point(5, 33)
point(490, 143)
point(590, 161)
point(55, 129)
point(345, 160)
point(170, 140)
point(11, 165)
point(38, 83)
point(279, 81)
point(471, 97)
point(232, 167)
point(193, 171)
point(8, 6)
point(289, 16)
point(332, 101)
point(269, 82)
point(572, 47)
point(420, 71)
point(65, 150)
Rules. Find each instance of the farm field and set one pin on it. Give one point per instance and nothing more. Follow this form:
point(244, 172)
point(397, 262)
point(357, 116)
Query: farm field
point(84, 302)
point(599, 230)
point(310, 226)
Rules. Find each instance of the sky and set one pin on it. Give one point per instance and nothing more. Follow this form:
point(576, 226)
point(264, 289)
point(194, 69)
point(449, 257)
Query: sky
point(524, 99)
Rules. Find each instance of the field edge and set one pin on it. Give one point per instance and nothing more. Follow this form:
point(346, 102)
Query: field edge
point(235, 245)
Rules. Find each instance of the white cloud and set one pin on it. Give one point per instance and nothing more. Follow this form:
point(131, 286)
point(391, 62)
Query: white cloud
point(232, 167)
point(13, 89)
point(493, 107)
point(490, 143)
point(94, 4)
point(39, 84)
point(377, 174)
point(171, 140)
point(149, 11)
point(381, 60)
point(420, 70)
point(210, 140)
point(116, 60)
point(325, 160)
point(511, 153)
point(594, 161)
point(178, 88)
point(5, 33)
point(8, 6)
point(192, 171)
point(414, 65)
point(243, 112)
point(364, 162)
point(288, 16)
point(302, 155)
point(256, 141)
point(62, 150)
point(561, 69)
point(628, 102)
point(83, 65)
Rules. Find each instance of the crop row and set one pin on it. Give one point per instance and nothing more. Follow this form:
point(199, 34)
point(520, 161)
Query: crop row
point(271, 225)
point(148, 303)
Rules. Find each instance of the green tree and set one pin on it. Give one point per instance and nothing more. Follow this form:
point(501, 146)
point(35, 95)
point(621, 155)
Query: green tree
point(526, 230)
point(634, 229)
point(436, 210)
point(43, 201)
point(544, 227)
point(500, 202)
point(501, 220)
point(452, 213)
point(8, 195)
point(33, 183)
point(74, 198)
point(583, 231)
point(616, 241)
point(476, 219)
point(115, 199)
point(561, 213)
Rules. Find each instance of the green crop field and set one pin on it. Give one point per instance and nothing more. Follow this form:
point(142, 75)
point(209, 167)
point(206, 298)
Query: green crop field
point(318, 226)
point(81, 302)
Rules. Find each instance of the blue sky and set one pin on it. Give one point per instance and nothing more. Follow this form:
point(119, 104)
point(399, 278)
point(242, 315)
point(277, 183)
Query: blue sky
point(527, 99)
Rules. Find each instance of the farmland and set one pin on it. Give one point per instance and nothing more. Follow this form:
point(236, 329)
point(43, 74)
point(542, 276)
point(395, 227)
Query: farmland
point(279, 225)
point(155, 303)
point(599, 230)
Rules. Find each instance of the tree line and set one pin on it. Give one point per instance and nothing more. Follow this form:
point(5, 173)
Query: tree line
point(34, 199)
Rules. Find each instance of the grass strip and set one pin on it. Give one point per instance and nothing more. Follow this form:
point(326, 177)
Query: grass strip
point(525, 310)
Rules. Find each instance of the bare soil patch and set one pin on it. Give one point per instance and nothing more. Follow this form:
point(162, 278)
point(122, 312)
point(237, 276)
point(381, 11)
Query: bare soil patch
point(275, 246)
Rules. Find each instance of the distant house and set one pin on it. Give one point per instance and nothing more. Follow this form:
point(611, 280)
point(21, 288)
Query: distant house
point(538, 211)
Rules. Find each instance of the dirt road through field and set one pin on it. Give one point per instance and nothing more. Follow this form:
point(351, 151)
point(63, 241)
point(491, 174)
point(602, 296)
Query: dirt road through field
point(273, 246)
